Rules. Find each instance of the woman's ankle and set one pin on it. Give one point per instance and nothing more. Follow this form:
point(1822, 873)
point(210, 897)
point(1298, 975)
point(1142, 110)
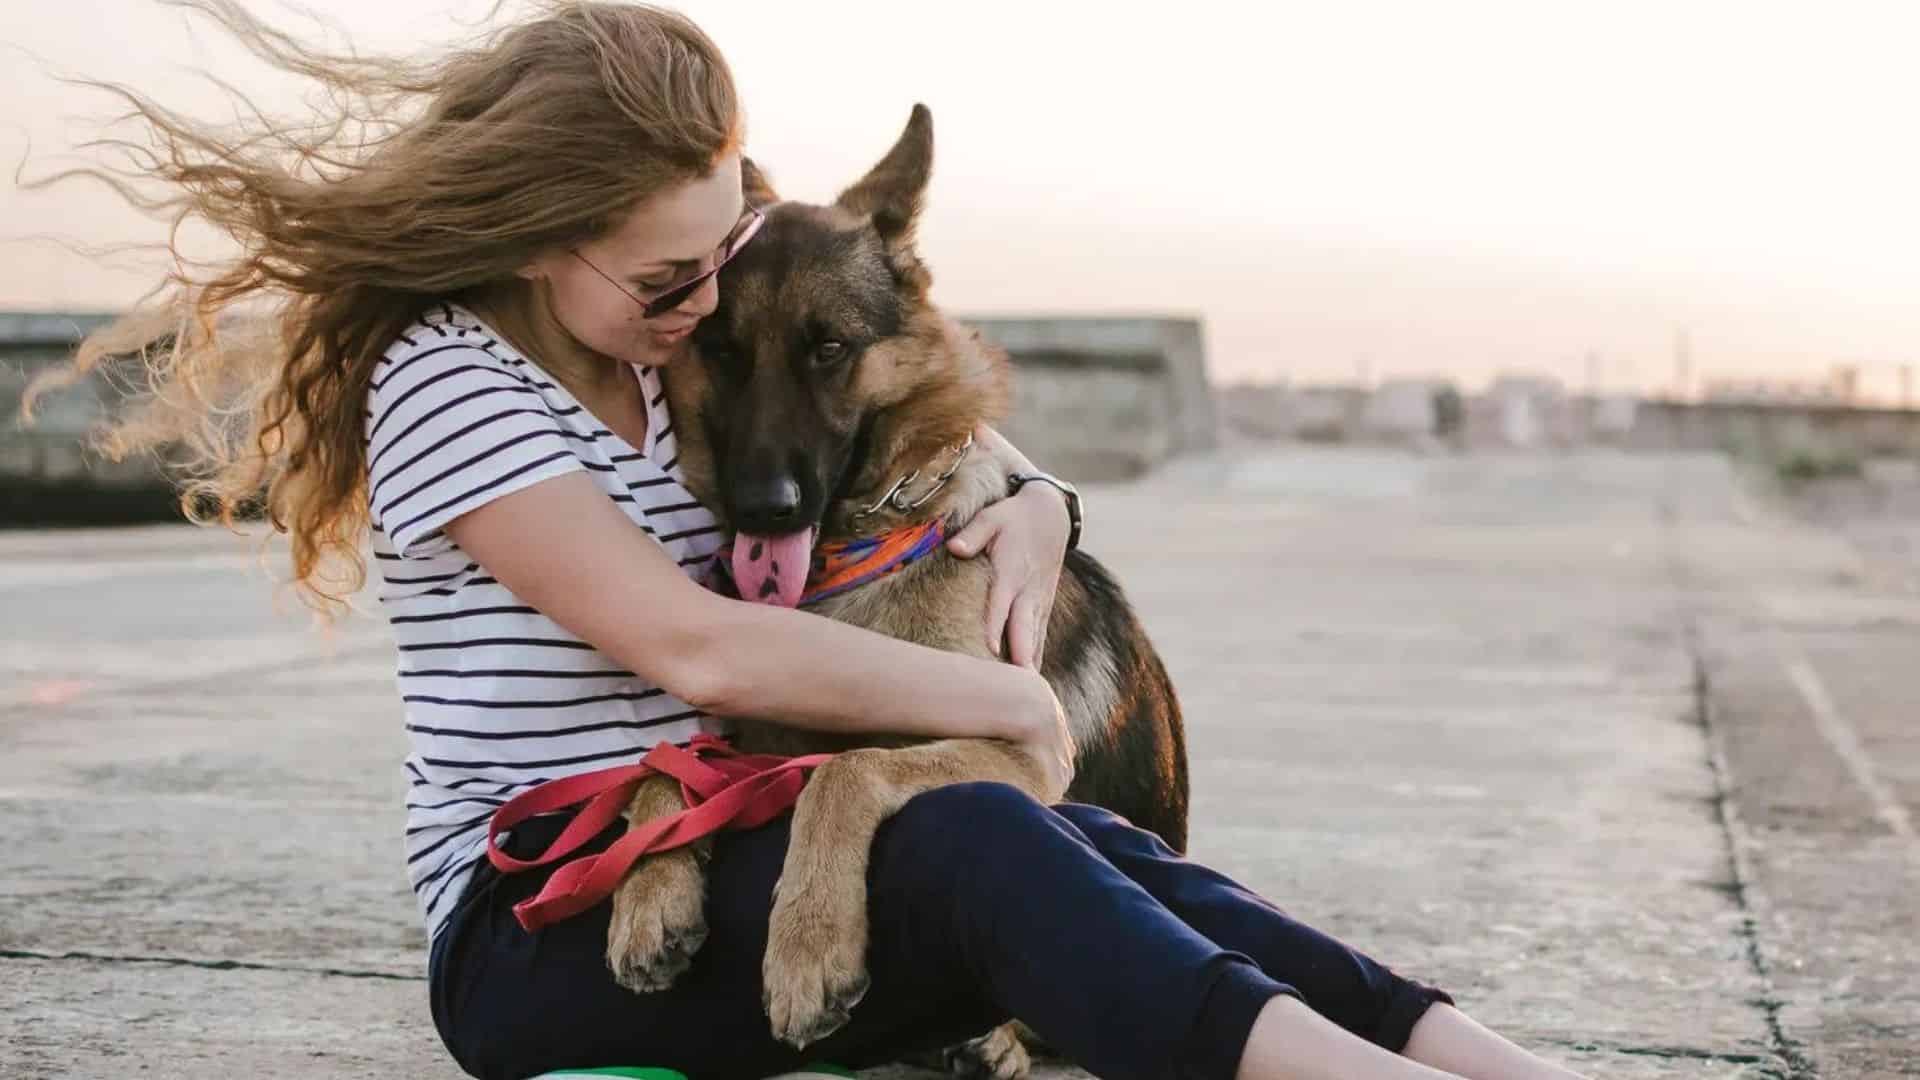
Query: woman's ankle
point(1448, 1039)
point(1290, 1041)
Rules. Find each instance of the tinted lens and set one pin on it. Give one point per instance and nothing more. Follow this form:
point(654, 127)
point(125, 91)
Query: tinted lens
point(678, 294)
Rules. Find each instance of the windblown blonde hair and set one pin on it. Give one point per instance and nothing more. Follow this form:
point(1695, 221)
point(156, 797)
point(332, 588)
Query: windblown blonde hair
point(419, 180)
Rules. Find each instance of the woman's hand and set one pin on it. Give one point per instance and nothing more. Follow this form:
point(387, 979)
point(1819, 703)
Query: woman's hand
point(1025, 539)
point(1048, 738)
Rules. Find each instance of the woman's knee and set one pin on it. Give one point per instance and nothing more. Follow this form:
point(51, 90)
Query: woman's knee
point(1091, 819)
point(961, 820)
point(1113, 835)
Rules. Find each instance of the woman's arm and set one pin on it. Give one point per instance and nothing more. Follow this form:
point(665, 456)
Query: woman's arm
point(567, 551)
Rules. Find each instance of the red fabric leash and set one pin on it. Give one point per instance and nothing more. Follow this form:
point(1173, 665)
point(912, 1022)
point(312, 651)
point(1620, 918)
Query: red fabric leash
point(723, 788)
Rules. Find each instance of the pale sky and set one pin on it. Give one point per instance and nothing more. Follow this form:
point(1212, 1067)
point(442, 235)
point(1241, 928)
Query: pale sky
point(1463, 188)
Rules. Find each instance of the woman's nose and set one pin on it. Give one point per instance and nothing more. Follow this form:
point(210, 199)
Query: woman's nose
point(704, 299)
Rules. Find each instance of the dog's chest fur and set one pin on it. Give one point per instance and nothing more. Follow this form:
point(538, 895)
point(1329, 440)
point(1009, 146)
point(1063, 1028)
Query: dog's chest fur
point(941, 600)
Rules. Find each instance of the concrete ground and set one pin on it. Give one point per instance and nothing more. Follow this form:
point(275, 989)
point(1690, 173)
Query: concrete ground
point(1608, 746)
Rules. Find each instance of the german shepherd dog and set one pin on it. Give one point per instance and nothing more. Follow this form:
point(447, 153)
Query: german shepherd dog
point(829, 400)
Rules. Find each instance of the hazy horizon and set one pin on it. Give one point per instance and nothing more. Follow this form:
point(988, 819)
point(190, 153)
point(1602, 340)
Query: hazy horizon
point(1388, 188)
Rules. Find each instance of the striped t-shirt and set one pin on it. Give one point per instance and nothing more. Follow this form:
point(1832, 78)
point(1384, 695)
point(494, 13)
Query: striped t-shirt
point(497, 696)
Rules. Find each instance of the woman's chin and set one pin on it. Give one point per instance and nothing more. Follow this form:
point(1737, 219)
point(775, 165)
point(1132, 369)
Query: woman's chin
point(648, 351)
point(652, 347)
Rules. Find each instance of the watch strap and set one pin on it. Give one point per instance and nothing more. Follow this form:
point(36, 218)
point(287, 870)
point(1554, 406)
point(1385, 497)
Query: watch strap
point(1018, 480)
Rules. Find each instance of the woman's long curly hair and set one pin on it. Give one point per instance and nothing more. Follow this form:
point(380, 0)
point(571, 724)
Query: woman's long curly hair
point(418, 180)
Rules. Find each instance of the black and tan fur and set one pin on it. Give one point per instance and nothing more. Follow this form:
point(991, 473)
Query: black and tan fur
point(761, 407)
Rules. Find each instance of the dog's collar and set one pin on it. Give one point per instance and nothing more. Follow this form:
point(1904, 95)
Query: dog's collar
point(844, 565)
point(849, 564)
point(896, 498)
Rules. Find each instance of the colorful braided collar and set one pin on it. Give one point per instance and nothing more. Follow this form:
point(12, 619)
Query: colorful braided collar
point(848, 564)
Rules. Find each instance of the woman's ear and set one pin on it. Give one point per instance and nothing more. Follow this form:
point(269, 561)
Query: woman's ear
point(534, 269)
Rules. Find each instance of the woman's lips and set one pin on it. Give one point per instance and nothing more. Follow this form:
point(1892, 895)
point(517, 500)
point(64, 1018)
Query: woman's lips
point(667, 337)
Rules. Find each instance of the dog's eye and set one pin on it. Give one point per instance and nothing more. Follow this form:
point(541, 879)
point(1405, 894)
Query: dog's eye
point(830, 352)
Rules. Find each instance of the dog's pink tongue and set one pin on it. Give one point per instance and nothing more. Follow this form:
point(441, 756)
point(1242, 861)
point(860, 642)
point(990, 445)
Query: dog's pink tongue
point(772, 569)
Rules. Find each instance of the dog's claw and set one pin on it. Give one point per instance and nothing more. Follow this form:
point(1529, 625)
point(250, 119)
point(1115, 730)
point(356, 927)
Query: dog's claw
point(658, 969)
point(658, 923)
point(814, 972)
point(801, 1024)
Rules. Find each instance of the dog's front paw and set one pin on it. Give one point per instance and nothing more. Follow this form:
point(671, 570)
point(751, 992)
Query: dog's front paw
point(997, 1055)
point(815, 969)
point(659, 921)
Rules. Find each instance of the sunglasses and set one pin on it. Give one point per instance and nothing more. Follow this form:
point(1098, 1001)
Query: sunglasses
point(676, 294)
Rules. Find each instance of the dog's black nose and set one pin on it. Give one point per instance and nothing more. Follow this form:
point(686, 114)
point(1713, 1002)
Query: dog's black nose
point(770, 507)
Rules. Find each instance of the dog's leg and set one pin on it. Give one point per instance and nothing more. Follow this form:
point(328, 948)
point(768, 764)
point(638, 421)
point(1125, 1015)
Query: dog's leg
point(815, 968)
point(659, 910)
point(997, 1055)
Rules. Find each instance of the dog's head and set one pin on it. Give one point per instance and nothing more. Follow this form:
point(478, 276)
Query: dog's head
point(826, 371)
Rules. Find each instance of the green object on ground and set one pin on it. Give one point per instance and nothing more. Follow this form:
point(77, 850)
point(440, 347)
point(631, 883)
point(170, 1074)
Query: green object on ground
point(647, 1072)
point(629, 1071)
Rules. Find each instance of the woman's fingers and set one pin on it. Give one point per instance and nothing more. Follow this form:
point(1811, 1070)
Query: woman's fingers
point(979, 536)
point(976, 537)
point(1020, 598)
point(1027, 629)
point(1000, 597)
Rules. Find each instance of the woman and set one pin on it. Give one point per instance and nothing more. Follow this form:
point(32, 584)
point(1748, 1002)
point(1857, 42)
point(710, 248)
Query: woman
point(478, 270)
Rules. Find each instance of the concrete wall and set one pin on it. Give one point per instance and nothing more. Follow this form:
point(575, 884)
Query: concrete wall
point(1307, 413)
point(1518, 416)
point(1663, 425)
point(47, 474)
point(1099, 399)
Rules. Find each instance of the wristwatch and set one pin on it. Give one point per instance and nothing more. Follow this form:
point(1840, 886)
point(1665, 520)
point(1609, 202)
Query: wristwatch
point(1019, 480)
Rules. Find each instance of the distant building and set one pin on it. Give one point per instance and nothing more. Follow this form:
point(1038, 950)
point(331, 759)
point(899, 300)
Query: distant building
point(1256, 411)
point(1528, 411)
point(1326, 413)
point(1611, 417)
point(1841, 387)
point(1406, 410)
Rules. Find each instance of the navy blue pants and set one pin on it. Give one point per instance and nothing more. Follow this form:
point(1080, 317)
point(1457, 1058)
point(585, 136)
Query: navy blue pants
point(983, 905)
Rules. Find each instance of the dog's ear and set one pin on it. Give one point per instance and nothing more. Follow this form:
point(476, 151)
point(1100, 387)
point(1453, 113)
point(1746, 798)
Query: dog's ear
point(891, 194)
point(755, 185)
